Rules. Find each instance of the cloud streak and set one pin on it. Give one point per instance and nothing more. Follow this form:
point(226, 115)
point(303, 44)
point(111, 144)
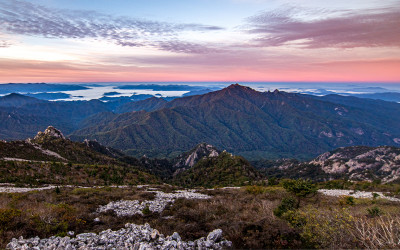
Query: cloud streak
point(4, 44)
point(24, 18)
point(373, 28)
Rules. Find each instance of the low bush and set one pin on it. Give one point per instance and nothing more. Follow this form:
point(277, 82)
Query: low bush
point(255, 190)
point(287, 204)
point(347, 200)
point(374, 211)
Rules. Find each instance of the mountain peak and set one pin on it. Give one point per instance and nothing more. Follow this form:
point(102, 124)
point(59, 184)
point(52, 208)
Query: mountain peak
point(14, 95)
point(238, 87)
point(50, 133)
point(17, 100)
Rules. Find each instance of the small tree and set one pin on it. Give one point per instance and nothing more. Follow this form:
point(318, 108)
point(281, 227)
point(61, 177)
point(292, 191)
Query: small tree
point(300, 188)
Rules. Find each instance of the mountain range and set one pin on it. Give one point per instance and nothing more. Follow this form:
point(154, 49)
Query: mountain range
point(237, 118)
point(250, 123)
point(49, 157)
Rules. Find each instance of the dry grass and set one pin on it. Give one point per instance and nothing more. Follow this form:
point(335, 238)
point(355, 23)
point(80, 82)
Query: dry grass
point(245, 215)
point(47, 213)
point(378, 233)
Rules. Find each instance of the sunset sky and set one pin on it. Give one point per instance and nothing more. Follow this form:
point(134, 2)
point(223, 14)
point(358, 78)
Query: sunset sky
point(199, 40)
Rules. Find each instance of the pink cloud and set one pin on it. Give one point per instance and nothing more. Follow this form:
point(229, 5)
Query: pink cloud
point(374, 28)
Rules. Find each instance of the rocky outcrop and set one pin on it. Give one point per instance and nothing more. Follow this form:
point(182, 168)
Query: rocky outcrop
point(50, 133)
point(358, 162)
point(131, 237)
point(202, 150)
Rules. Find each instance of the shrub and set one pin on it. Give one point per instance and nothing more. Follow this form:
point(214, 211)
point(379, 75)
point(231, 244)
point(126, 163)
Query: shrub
point(146, 210)
point(336, 184)
point(300, 188)
point(347, 200)
point(273, 181)
point(374, 211)
point(327, 229)
point(375, 196)
point(255, 190)
point(7, 217)
point(286, 205)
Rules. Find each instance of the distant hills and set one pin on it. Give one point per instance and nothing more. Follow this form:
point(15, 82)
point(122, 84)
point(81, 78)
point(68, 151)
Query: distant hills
point(51, 158)
point(238, 119)
point(37, 87)
point(21, 116)
point(385, 96)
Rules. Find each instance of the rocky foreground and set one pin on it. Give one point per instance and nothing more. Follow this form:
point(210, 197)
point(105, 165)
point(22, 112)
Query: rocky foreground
point(131, 237)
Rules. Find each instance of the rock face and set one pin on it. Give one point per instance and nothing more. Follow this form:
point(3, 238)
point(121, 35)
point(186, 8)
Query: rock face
point(358, 162)
point(202, 150)
point(131, 237)
point(50, 133)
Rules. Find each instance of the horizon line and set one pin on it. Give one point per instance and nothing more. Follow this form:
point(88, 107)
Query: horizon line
point(232, 82)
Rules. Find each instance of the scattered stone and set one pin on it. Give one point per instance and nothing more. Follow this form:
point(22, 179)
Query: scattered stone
point(355, 194)
point(155, 234)
point(132, 207)
point(10, 188)
point(23, 189)
point(215, 235)
point(131, 237)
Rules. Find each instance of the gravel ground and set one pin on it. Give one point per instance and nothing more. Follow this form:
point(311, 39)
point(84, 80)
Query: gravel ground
point(355, 194)
point(132, 207)
point(10, 188)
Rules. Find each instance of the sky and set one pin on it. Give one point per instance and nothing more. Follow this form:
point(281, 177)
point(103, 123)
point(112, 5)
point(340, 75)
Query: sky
point(199, 40)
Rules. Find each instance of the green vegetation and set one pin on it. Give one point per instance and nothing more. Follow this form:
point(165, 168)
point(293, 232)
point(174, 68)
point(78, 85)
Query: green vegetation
point(374, 211)
point(300, 188)
point(38, 173)
point(224, 170)
point(287, 204)
point(253, 124)
point(146, 210)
